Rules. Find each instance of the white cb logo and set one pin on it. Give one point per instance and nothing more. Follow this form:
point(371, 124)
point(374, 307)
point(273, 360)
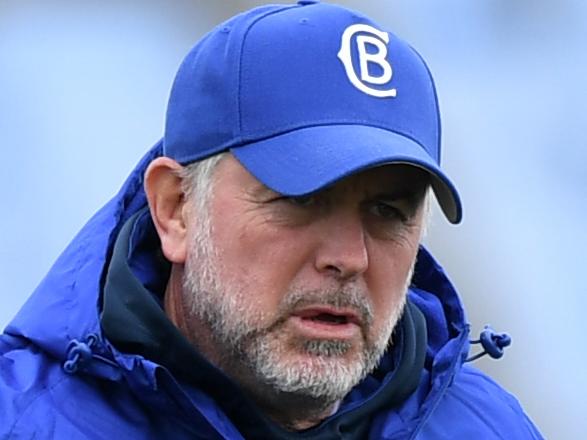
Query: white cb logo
point(374, 38)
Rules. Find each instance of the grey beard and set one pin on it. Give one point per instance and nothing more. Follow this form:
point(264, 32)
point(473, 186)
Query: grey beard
point(328, 374)
point(326, 348)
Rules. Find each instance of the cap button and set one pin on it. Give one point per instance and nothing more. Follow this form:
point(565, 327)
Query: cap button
point(307, 2)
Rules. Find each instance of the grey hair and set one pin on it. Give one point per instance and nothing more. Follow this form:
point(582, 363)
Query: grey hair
point(197, 184)
point(197, 181)
point(427, 215)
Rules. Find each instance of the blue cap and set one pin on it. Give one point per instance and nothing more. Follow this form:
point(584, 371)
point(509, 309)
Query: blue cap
point(304, 95)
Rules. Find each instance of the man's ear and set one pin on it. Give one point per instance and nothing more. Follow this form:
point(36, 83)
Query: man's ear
point(166, 202)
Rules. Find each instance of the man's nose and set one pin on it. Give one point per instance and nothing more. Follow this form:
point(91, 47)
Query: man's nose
point(342, 252)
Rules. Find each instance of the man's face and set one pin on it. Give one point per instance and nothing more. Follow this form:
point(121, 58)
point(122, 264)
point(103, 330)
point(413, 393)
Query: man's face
point(300, 296)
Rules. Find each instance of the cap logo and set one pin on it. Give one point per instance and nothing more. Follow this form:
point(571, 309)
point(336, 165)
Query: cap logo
point(367, 36)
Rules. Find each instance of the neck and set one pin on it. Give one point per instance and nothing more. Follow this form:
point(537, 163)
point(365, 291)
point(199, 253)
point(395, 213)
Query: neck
point(296, 413)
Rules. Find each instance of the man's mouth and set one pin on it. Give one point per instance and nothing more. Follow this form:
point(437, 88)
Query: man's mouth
point(327, 317)
point(328, 314)
point(326, 322)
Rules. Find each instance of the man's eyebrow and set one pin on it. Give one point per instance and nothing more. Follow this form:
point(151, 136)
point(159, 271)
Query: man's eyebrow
point(412, 194)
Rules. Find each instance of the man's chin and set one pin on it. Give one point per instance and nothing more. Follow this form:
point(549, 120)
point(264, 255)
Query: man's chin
point(326, 372)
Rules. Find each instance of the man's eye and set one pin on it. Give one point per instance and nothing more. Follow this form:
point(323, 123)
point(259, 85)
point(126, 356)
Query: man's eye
point(302, 200)
point(387, 211)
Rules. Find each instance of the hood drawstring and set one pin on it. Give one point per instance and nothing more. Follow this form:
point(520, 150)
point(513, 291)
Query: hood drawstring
point(493, 344)
point(81, 354)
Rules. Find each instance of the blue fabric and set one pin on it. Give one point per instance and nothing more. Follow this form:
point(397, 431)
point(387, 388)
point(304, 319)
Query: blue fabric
point(109, 394)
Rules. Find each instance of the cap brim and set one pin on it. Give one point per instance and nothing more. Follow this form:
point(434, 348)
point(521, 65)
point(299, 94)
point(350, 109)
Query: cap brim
point(306, 160)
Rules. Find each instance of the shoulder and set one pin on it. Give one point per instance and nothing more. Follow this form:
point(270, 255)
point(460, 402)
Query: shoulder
point(475, 384)
point(475, 405)
point(39, 400)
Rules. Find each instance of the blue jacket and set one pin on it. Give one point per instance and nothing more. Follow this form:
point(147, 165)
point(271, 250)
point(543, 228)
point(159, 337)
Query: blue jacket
point(66, 374)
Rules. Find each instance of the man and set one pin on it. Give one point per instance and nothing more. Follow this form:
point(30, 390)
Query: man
point(259, 275)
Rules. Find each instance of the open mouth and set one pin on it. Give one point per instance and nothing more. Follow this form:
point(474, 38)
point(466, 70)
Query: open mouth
point(329, 318)
point(326, 323)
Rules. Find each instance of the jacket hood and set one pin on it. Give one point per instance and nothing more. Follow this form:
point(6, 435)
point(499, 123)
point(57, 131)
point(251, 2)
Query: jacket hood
point(72, 287)
point(75, 280)
point(72, 291)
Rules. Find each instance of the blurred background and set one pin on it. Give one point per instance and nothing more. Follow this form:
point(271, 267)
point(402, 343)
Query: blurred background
point(83, 90)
